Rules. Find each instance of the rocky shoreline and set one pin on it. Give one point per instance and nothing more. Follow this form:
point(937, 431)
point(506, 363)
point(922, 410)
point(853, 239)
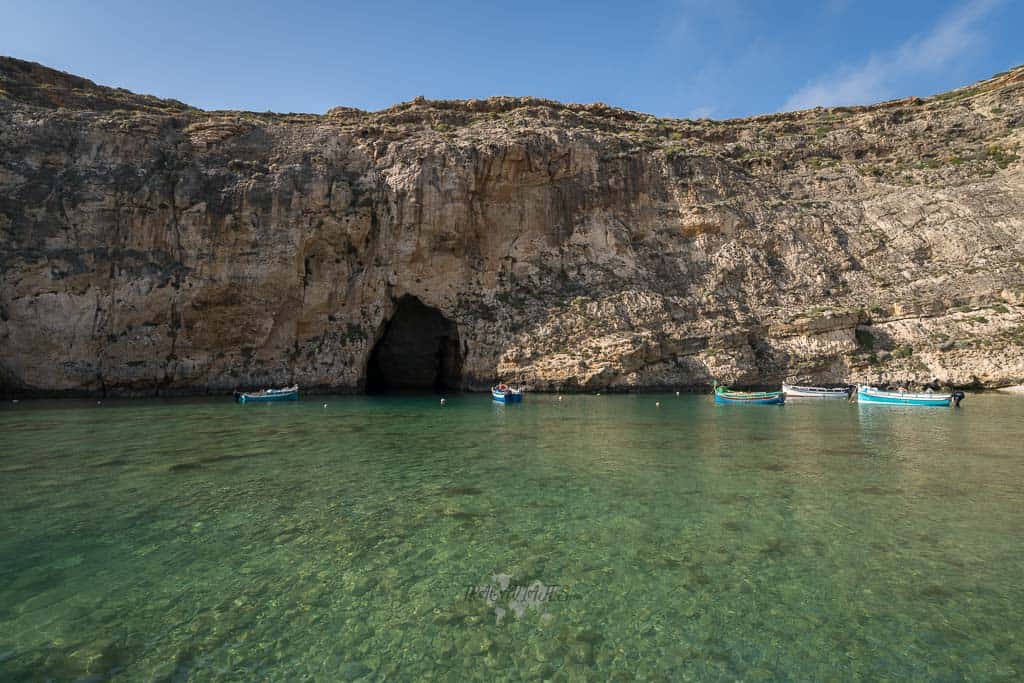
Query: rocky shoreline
point(702, 390)
point(151, 248)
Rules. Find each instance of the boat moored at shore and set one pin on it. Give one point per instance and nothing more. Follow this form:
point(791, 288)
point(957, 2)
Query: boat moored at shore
point(503, 393)
point(726, 395)
point(267, 395)
point(905, 398)
point(794, 391)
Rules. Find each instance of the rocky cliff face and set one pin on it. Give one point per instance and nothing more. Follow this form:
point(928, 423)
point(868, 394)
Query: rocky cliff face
point(148, 247)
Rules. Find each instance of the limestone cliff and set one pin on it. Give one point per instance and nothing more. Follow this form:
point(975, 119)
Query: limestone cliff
point(150, 247)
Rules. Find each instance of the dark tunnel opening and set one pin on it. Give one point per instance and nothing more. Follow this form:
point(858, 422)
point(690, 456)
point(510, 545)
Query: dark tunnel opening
point(418, 351)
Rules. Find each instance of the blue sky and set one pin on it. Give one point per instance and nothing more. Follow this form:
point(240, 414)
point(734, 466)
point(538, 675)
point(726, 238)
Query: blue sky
point(686, 58)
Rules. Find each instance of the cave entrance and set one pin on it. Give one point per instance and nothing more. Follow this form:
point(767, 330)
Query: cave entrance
point(419, 351)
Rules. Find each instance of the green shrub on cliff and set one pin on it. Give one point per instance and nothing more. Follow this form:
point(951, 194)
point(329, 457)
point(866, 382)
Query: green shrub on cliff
point(905, 351)
point(1002, 157)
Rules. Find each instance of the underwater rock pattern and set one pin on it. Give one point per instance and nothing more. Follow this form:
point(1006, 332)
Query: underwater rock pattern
point(150, 247)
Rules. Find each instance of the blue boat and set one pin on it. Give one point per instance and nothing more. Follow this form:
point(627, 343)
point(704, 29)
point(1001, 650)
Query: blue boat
point(286, 394)
point(726, 395)
point(903, 398)
point(503, 393)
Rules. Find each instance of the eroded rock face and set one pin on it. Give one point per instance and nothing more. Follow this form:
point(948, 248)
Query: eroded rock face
point(147, 247)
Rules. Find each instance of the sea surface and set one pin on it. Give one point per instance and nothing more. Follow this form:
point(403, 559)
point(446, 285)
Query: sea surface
point(593, 538)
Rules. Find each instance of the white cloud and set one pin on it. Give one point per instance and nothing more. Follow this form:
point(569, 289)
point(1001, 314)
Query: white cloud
point(874, 80)
point(703, 112)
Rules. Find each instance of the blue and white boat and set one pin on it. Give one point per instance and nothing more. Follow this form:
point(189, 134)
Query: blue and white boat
point(905, 398)
point(503, 393)
point(287, 394)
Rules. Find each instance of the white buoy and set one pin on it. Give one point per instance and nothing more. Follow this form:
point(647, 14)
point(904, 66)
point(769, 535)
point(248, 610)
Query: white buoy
point(677, 393)
point(325, 405)
point(559, 398)
point(598, 393)
point(443, 401)
point(657, 404)
point(99, 403)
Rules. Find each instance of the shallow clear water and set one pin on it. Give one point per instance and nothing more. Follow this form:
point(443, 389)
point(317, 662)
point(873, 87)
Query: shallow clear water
point(202, 540)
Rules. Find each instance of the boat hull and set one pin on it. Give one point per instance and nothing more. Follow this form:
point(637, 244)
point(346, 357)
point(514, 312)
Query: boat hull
point(813, 392)
point(290, 395)
point(866, 395)
point(766, 398)
point(507, 396)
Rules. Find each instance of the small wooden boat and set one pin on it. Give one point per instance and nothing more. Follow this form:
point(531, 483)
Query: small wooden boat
point(726, 395)
point(286, 394)
point(904, 398)
point(794, 391)
point(503, 393)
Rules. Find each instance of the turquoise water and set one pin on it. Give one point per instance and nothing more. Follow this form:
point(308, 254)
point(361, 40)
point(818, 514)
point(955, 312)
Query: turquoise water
point(371, 539)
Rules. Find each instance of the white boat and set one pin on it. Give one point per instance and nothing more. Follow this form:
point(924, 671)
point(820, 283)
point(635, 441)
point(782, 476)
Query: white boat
point(906, 398)
point(794, 391)
point(286, 394)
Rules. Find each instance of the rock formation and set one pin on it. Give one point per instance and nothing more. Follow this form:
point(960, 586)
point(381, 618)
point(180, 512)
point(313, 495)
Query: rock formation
point(150, 247)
